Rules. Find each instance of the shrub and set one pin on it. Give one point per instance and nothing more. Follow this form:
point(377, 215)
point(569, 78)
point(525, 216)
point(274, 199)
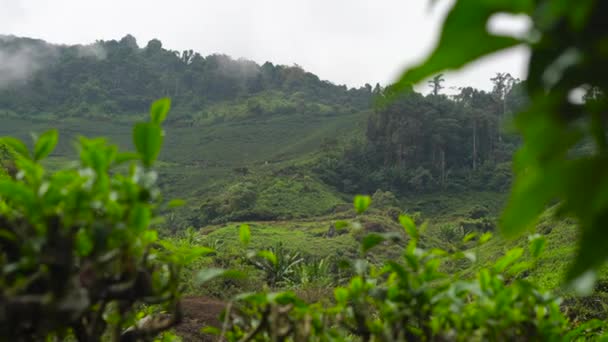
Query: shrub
point(483, 224)
point(451, 233)
point(278, 264)
point(383, 199)
point(77, 253)
point(412, 300)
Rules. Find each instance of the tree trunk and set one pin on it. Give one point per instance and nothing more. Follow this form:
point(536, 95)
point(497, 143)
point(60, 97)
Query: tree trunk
point(442, 155)
point(474, 145)
point(500, 118)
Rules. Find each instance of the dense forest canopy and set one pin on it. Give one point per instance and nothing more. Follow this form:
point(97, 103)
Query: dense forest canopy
point(119, 77)
point(435, 142)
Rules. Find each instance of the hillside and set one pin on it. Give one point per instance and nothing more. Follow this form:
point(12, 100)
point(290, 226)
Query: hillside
point(279, 148)
point(263, 142)
point(227, 114)
point(118, 79)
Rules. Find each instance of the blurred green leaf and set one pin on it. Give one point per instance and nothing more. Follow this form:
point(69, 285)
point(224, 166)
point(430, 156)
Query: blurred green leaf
point(45, 144)
point(148, 138)
point(370, 241)
point(17, 145)
point(340, 225)
point(537, 244)
point(211, 330)
point(149, 236)
point(244, 234)
point(341, 295)
point(485, 237)
point(591, 251)
point(139, 219)
point(174, 203)
point(509, 258)
point(464, 38)
point(520, 267)
point(484, 279)
point(469, 237)
point(18, 193)
point(529, 196)
point(410, 227)
point(159, 110)
point(125, 157)
point(268, 255)
point(84, 243)
point(362, 203)
point(356, 285)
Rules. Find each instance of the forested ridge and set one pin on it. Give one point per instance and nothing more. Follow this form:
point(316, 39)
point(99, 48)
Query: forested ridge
point(416, 143)
point(424, 143)
point(119, 77)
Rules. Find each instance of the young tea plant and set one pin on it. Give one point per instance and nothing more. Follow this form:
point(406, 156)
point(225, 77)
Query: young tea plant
point(411, 299)
point(77, 251)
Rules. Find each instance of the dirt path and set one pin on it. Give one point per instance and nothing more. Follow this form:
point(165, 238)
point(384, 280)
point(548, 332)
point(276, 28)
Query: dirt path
point(199, 312)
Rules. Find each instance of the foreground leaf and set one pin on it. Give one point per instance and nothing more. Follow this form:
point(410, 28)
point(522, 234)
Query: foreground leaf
point(464, 38)
point(148, 139)
point(159, 110)
point(45, 144)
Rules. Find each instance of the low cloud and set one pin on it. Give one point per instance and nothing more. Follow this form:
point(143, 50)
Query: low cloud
point(22, 58)
point(92, 51)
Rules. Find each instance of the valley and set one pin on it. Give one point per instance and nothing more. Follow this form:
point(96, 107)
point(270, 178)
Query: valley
point(293, 187)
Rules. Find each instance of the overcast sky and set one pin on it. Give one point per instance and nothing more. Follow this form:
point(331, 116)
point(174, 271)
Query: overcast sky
point(349, 42)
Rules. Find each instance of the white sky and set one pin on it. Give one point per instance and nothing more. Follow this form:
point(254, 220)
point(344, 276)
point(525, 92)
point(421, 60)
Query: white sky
point(349, 42)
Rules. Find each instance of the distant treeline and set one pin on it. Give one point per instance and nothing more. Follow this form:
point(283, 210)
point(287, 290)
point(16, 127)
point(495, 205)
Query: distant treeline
point(119, 77)
point(419, 143)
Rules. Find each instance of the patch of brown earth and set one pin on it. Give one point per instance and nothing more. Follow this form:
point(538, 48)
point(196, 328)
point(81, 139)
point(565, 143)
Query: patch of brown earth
point(199, 312)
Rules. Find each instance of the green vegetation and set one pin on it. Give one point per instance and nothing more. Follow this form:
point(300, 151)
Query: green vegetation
point(114, 79)
point(566, 41)
point(269, 158)
point(77, 250)
point(412, 300)
point(264, 198)
point(7, 157)
point(417, 143)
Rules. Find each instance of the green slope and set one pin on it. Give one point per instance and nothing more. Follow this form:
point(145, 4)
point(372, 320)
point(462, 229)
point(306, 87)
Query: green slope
point(198, 160)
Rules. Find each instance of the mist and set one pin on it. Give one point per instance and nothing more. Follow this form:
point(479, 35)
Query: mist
point(20, 61)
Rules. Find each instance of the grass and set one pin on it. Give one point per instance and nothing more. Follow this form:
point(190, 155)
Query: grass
point(196, 159)
point(454, 209)
point(296, 196)
point(310, 236)
point(294, 235)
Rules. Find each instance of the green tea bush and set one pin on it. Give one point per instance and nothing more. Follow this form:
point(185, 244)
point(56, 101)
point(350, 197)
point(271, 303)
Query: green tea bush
point(451, 233)
point(7, 161)
point(78, 256)
point(411, 299)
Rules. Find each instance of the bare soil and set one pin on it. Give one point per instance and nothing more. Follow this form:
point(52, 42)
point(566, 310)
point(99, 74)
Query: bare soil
point(199, 312)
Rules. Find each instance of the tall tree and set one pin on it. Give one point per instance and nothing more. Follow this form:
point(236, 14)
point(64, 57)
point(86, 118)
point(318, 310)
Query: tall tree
point(436, 84)
point(503, 83)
